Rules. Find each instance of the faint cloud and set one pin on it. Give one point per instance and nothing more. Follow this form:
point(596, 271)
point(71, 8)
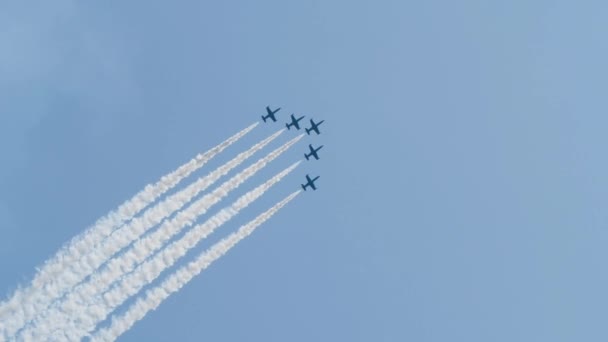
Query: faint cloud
point(57, 51)
point(27, 38)
point(8, 229)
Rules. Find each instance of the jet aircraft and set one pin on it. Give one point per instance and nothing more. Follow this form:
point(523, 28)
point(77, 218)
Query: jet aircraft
point(310, 183)
point(294, 122)
point(314, 127)
point(271, 114)
point(313, 152)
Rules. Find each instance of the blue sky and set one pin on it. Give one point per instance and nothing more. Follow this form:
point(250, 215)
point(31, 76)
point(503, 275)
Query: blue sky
point(463, 179)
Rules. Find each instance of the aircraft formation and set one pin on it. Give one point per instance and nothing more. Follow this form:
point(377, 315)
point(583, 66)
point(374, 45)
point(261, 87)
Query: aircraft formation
point(295, 123)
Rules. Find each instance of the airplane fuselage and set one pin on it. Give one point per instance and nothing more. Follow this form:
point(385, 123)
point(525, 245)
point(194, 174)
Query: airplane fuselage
point(310, 183)
point(271, 114)
point(314, 126)
point(294, 122)
point(313, 152)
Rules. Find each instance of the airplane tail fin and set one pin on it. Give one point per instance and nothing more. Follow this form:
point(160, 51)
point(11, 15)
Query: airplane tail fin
point(307, 156)
point(303, 187)
point(288, 126)
point(308, 131)
point(263, 118)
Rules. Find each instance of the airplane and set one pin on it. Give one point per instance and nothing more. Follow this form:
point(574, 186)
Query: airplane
point(294, 122)
point(314, 127)
point(271, 114)
point(310, 183)
point(313, 152)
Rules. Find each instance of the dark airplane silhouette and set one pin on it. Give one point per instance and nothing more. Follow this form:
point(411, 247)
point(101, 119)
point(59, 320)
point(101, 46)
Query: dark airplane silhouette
point(271, 114)
point(314, 127)
point(294, 122)
point(310, 183)
point(313, 152)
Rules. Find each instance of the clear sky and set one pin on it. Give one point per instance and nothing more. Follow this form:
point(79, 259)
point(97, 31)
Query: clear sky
point(463, 180)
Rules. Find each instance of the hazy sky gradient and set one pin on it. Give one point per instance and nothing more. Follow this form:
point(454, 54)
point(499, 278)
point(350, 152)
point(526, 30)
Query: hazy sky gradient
point(463, 180)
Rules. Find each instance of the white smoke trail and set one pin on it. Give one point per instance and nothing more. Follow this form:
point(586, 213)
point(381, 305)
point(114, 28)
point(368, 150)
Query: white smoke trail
point(154, 297)
point(121, 238)
point(104, 226)
point(141, 249)
point(147, 272)
point(77, 247)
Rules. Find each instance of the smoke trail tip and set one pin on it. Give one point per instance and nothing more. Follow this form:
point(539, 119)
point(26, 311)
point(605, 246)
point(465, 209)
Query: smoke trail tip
point(291, 167)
